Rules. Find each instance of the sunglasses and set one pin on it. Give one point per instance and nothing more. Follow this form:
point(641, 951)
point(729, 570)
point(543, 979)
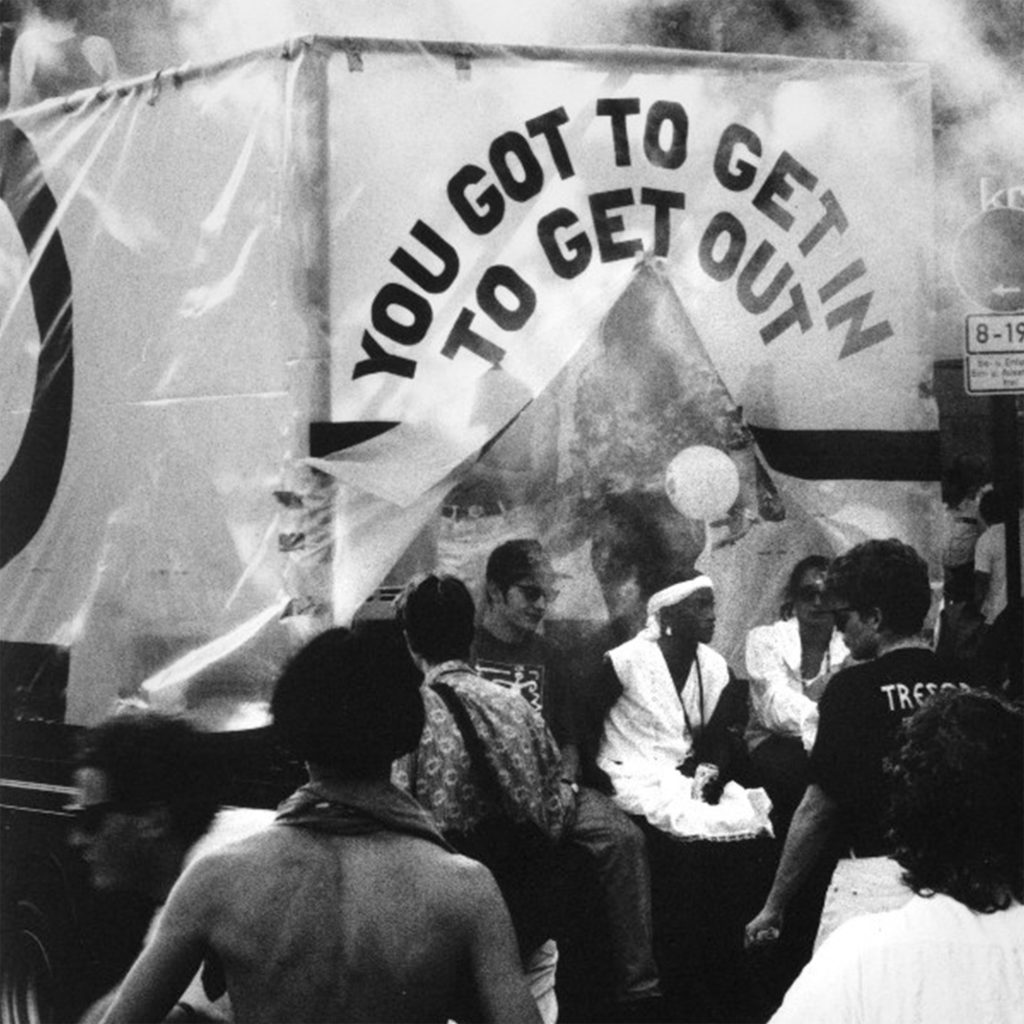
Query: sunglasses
point(842, 616)
point(533, 593)
point(89, 818)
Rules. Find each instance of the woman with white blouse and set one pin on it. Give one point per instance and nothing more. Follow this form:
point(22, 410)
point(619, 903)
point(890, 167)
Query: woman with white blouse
point(789, 663)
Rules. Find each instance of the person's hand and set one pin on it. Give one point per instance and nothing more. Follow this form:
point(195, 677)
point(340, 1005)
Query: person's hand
point(714, 788)
point(763, 931)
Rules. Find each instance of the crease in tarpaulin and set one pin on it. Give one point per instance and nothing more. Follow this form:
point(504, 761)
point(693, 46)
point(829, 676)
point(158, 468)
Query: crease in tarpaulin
point(156, 403)
point(214, 222)
point(156, 87)
point(56, 220)
point(168, 687)
point(463, 65)
point(353, 58)
point(205, 297)
point(296, 46)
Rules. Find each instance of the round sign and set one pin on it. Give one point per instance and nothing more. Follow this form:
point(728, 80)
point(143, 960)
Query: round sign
point(988, 259)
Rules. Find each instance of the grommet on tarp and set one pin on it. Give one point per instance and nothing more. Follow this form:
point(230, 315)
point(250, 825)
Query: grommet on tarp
point(293, 47)
point(463, 66)
point(354, 58)
point(156, 87)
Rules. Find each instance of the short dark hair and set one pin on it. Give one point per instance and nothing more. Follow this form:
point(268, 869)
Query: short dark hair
point(817, 563)
point(957, 806)
point(993, 506)
point(884, 574)
point(349, 702)
point(150, 758)
point(437, 615)
point(515, 560)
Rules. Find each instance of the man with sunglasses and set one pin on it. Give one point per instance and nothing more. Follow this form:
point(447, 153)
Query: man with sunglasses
point(147, 792)
point(510, 648)
point(880, 594)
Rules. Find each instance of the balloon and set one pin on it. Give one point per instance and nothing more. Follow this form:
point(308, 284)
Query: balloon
point(702, 482)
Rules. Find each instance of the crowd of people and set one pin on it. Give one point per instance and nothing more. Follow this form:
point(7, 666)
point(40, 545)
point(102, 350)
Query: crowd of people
point(471, 793)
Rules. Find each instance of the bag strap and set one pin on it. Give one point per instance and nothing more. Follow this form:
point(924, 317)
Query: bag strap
point(472, 741)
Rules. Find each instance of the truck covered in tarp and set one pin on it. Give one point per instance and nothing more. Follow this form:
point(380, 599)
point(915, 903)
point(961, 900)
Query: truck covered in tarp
point(278, 333)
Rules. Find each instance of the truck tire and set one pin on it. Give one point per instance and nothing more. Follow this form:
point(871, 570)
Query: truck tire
point(33, 963)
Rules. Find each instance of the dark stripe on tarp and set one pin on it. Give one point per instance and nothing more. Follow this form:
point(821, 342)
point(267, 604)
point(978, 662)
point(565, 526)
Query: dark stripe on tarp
point(807, 454)
point(327, 438)
point(851, 454)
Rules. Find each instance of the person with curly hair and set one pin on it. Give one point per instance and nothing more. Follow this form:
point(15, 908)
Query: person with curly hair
point(955, 951)
point(880, 594)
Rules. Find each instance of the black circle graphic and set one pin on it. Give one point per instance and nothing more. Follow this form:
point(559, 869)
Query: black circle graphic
point(30, 483)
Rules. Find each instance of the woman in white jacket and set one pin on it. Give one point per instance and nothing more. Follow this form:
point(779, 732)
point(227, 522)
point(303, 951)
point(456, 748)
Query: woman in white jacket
point(789, 664)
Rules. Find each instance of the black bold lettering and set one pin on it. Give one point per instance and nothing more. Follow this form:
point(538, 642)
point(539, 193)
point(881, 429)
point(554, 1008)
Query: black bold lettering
point(512, 144)
point(414, 269)
point(418, 308)
point(462, 335)
point(836, 284)
point(751, 302)
point(618, 110)
point(722, 224)
point(736, 174)
point(778, 184)
point(483, 215)
point(798, 313)
point(857, 339)
point(660, 113)
point(663, 202)
point(606, 226)
point(508, 318)
point(832, 218)
point(571, 257)
point(379, 361)
point(548, 125)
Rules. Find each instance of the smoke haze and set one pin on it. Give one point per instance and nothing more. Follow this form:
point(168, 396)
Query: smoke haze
point(973, 48)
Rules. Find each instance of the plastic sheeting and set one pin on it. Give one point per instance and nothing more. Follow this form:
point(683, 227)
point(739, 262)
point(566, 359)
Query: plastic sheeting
point(276, 334)
point(613, 255)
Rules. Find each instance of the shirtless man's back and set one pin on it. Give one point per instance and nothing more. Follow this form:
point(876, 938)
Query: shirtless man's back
point(350, 907)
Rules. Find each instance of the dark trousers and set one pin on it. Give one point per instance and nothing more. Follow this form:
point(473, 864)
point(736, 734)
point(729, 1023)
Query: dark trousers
point(779, 765)
point(703, 895)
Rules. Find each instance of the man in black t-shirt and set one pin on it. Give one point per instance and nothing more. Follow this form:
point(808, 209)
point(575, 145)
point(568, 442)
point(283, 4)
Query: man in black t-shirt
point(509, 648)
point(880, 594)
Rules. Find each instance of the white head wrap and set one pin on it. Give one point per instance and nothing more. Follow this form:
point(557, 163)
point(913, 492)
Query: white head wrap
point(668, 597)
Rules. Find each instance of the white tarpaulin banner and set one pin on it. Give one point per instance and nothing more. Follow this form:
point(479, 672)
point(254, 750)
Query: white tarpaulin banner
point(143, 253)
point(492, 292)
point(639, 252)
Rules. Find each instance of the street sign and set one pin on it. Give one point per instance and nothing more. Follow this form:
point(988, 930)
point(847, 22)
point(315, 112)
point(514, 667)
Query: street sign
point(988, 259)
point(994, 354)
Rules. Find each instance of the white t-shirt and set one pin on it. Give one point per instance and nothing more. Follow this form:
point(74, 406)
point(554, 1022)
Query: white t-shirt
point(990, 558)
point(933, 961)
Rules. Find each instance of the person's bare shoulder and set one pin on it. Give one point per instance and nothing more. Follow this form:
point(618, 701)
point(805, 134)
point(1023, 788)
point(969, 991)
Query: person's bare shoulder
point(466, 882)
point(224, 865)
